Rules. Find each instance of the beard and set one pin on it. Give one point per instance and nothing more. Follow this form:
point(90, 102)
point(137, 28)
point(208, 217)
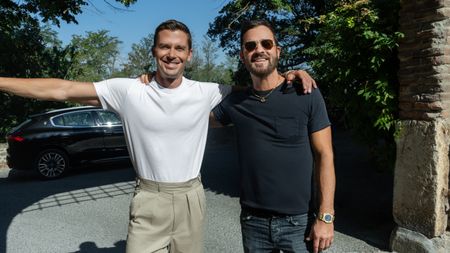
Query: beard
point(261, 71)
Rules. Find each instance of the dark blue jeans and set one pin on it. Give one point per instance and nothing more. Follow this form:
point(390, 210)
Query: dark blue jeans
point(274, 233)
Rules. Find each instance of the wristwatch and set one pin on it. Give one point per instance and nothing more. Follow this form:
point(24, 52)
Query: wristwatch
point(326, 217)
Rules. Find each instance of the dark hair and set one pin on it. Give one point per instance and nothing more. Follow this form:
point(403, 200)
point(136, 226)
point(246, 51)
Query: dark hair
point(172, 25)
point(250, 24)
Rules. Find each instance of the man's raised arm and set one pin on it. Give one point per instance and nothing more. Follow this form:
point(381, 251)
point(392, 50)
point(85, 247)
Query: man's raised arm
point(308, 83)
point(50, 89)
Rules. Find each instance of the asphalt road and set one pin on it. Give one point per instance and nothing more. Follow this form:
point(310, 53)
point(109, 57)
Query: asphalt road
point(87, 211)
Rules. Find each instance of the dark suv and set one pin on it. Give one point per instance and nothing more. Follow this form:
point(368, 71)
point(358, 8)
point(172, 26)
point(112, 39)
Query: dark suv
point(54, 141)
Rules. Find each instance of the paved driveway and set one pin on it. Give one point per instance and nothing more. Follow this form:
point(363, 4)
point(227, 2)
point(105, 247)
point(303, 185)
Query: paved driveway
point(87, 211)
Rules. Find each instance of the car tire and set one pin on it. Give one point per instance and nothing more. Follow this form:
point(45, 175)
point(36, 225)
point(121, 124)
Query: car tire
point(52, 163)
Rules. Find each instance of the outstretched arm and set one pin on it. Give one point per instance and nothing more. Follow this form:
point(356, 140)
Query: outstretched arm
point(50, 89)
point(93, 102)
point(322, 233)
point(308, 82)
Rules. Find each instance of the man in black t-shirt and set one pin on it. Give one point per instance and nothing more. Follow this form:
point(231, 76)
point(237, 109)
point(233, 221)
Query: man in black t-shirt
point(283, 135)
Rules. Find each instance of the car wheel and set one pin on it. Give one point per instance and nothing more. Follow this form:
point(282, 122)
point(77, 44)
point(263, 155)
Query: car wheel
point(52, 163)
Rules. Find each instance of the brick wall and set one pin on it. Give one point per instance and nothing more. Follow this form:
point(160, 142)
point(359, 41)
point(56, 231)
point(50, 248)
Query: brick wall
point(424, 56)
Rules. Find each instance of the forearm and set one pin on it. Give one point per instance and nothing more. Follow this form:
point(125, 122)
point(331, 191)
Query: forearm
point(89, 102)
point(322, 232)
point(45, 89)
point(326, 182)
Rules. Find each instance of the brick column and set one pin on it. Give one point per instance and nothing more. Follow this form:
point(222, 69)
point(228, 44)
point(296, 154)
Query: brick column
point(421, 178)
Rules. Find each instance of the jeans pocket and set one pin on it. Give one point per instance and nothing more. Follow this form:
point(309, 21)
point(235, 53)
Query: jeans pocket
point(293, 221)
point(298, 220)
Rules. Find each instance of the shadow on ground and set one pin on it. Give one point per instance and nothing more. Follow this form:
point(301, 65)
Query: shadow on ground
point(363, 194)
point(22, 192)
point(91, 247)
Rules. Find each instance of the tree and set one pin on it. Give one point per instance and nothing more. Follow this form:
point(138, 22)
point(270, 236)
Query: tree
point(94, 56)
point(204, 68)
point(355, 57)
point(193, 67)
point(210, 54)
point(15, 13)
point(140, 59)
point(27, 50)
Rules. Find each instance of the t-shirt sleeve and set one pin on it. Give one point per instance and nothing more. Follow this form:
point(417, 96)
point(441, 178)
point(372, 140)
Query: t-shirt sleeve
point(217, 93)
point(220, 112)
point(113, 92)
point(318, 118)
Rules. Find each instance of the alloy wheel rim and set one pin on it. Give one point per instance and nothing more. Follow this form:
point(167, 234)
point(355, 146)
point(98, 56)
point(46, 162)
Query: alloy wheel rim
point(51, 164)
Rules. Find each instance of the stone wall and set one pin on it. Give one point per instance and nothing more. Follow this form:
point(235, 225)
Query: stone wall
point(421, 177)
point(421, 180)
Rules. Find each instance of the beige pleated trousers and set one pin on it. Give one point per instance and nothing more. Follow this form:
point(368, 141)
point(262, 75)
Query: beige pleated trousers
point(166, 217)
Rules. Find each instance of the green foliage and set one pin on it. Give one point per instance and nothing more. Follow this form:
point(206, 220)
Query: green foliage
point(42, 58)
point(354, 59)
point(14, 13)
point(204, 68)
point(53, 11)
point(354, 56)
point(140, 59)
point(94, 56)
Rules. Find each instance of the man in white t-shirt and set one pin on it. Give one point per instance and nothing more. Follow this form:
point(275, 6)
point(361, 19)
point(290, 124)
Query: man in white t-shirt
point(165, 124)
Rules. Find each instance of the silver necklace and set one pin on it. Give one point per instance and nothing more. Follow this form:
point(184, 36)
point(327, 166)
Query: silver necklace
point(262, 99)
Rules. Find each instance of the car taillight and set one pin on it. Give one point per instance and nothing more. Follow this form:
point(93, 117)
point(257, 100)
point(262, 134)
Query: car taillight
point(16, 138)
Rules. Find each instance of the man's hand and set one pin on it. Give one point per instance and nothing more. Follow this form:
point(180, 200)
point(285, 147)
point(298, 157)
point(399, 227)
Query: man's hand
point(146, 78)
point(307, 81)
point(322, 235)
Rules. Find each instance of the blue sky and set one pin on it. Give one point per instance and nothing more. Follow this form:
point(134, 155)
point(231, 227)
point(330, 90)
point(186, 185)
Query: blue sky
point(142, 18)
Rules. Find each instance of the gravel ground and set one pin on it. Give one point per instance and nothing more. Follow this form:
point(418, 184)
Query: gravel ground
point(3, 156)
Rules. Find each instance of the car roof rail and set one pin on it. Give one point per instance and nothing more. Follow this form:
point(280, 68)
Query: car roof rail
point(67, 109)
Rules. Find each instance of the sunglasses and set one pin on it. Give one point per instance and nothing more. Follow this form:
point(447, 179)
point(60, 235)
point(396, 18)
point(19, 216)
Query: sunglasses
point(251, 45)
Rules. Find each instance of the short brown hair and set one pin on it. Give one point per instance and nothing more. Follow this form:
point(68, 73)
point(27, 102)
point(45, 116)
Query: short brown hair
point(172, 25)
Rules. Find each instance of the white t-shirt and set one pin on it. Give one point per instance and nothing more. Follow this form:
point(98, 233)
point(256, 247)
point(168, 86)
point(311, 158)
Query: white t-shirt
point(165, 129)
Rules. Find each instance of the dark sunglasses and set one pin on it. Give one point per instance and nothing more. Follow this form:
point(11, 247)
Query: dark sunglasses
point(251, 45)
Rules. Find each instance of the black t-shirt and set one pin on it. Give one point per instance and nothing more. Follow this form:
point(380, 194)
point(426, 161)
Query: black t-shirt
point(275, 153)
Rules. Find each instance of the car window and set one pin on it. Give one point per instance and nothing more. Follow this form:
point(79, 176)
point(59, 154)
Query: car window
point(76, 119)
point(108, 118)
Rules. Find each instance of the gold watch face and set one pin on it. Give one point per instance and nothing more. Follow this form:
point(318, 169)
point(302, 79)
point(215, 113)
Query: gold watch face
point(326, 217)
